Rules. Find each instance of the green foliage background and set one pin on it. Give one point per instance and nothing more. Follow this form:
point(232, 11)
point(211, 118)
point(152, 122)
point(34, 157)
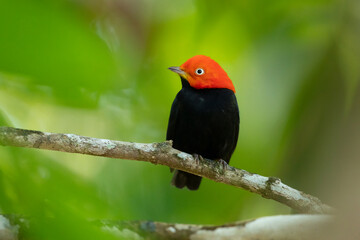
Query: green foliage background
point(99, 68)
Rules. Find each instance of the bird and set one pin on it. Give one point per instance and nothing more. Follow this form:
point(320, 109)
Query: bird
point(204, 119)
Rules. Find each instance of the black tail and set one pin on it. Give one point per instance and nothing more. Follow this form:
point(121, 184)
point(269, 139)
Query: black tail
point(182, 179)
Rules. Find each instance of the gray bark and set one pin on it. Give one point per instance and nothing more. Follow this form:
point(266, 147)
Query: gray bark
point(162, 153)
point(282, 227)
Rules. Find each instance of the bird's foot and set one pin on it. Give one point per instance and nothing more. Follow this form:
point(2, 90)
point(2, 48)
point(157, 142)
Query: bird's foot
point(223, 164)
point(197, 158)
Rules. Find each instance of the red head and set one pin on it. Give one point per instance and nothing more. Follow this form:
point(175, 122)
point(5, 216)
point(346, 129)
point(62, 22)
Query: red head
point(203, 72)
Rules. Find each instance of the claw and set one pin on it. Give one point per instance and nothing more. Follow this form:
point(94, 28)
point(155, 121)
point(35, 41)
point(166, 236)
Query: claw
point(223, 164)
point(197, 158)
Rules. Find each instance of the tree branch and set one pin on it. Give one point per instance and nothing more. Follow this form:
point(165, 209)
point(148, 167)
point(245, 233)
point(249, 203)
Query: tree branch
point(289, 227)
point(163, 153)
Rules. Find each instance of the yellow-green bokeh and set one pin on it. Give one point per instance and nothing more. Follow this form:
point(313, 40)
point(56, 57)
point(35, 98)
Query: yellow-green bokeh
point(99, 68)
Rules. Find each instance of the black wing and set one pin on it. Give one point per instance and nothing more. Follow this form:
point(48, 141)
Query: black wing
point(170, 134)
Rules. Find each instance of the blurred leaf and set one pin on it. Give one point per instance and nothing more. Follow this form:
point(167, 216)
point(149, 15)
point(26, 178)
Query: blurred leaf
point(3, 120)
point(62, 204)
point(51, 42)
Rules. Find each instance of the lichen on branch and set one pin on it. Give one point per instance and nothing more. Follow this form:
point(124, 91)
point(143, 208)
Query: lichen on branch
point(162, 153)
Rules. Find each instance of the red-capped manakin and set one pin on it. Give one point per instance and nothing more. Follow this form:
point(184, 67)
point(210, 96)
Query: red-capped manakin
point(204, 118)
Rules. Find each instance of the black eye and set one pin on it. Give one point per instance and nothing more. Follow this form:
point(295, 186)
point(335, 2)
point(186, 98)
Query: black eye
point(199, 71)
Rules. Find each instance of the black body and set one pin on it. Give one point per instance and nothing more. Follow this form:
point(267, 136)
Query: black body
point(204, 122)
